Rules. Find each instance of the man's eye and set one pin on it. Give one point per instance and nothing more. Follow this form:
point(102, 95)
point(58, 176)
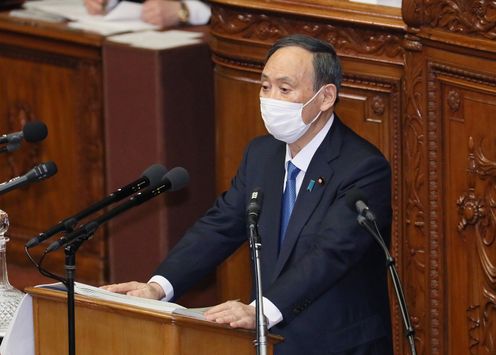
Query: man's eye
point(284, 90)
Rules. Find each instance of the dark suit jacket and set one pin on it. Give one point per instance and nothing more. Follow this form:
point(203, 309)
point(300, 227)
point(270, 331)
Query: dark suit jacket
point(329, 278)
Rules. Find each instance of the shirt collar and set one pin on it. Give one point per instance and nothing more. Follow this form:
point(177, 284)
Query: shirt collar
point(305, 155)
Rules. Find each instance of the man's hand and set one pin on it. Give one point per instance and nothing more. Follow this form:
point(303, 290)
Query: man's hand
point(162, 13)
point(234, 313)
point(139, 289)
point(95, 7)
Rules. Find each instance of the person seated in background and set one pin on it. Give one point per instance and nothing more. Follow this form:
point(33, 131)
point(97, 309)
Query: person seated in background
point(161, 13)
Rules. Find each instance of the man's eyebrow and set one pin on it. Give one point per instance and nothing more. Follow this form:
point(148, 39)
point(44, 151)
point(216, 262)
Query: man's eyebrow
point(284, 79)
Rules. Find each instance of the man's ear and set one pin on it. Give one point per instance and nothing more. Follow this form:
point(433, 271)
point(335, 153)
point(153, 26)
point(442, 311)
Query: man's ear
point(330, 96)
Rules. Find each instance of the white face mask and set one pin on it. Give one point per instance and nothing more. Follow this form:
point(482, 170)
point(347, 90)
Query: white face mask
point(283, 119)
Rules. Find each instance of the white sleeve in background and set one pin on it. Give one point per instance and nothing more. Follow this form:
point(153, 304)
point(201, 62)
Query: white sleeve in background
point(110, 5)
point(166, 286)
point(272, 313)
point(199, 12)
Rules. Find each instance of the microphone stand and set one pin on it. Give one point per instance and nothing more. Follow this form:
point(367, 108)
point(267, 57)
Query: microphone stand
point(261, 323)
point(70, 272)
point(410, 332)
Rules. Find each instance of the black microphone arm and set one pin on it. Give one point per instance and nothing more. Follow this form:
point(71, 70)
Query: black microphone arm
point(33, 131)
point(365, 219)
point(151, 176)
point(252, 214)
point(174, 180)
point(39, 172)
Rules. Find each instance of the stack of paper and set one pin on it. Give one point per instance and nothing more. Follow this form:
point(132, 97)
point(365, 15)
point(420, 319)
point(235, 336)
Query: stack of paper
point(154, 305)
point(158, 40)
point(390, 3)
point(125, 17)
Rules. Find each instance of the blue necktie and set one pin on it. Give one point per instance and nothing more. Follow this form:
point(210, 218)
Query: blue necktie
point(288, 199)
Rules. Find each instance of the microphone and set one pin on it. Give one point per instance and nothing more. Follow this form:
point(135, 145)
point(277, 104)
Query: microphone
point(151, 176)
point(254, 207)
point(174, 180)
point(356, 201)
point(38, 173)
point(33, 131)
point(252, 214)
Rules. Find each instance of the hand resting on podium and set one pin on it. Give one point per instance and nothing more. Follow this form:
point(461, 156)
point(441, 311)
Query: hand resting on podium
point(138, 289)
point(234, 313)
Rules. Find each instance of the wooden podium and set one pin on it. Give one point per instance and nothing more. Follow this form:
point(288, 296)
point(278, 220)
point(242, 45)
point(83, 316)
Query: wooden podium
point(109, 328)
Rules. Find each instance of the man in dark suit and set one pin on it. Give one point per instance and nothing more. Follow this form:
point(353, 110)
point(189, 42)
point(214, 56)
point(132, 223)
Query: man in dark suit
point(324, 278)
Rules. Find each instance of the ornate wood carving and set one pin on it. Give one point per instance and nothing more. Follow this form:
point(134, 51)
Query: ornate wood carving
point(378, 105)
point(414, 188)
point(481, 325)
point(395, 161)
point(412, 13)
point(466, 75)
point(435, 230)
point(479, 212)
point(454, 100)
point(474, 17)
point(267, 28)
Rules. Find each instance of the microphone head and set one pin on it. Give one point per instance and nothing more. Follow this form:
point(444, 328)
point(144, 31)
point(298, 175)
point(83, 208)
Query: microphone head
point(34, 131)
point(255, 204)
point(353, 196)
point(42, 171)
point(177, 177)
point(154, 173)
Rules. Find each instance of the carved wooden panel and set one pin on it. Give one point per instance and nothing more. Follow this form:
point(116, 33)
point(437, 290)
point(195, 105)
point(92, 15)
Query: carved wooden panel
point(262, 28)
point(369, 101)
point(473, 17)
point(469, 204)
point(414, 212)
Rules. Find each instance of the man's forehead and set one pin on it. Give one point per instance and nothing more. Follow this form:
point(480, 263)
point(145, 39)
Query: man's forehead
point(289, 62)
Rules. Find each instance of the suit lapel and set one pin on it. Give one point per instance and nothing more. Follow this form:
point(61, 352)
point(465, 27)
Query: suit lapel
point(269, 223)
point(309, 198)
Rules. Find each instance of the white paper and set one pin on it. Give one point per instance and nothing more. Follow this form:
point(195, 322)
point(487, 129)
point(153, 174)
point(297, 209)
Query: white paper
point(36, 15)
point(109, 28)
point(158, 40)
point(125, 17)
point(69, 9)
point(125, 10)
point(101, 294)
point(390, 3)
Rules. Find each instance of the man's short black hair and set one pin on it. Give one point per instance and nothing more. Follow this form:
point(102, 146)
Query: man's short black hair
point(326, 64)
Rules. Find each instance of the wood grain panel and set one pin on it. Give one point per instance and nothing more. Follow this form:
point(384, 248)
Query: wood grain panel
point(104, 327)
point(64, 92)
point(470, 153)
